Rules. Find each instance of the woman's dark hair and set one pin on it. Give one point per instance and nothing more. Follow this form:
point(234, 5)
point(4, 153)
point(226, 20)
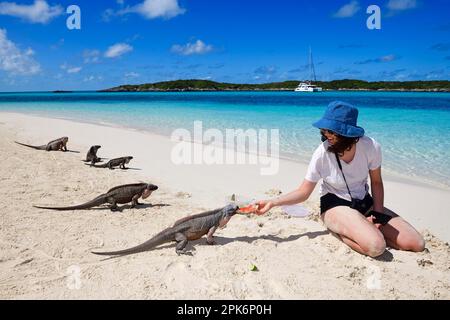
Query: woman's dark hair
point(342, 144)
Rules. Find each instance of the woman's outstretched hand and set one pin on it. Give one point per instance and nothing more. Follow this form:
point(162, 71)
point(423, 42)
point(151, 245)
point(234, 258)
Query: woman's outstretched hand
point(264, 206)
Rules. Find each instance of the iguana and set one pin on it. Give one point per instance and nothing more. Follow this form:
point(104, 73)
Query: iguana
point(120, 194)
point(91, 156)
point(117, 162)
point(188, 228)
point(55, 145)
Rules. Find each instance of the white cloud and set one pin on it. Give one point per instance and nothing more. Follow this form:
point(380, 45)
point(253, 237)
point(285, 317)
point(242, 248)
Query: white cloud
point(131, 75)
point(91, 56)
point(74, 70)
point(91, 78)
point(387, 58)
point(38, 12)
point(390, 57)
point(399, 5)
point(152, 9)
point(15, 61)
point(29, 52)
point(198, 47)
point(348, 10)
point(117, 50)
point(70, 69)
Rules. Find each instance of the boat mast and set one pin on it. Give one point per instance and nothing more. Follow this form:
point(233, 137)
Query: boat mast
point(311, 66)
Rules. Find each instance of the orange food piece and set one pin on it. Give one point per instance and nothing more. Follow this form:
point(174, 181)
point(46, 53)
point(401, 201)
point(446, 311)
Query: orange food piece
point(249, 209)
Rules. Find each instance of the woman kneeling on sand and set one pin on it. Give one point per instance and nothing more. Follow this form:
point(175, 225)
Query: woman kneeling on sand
point(344, 161)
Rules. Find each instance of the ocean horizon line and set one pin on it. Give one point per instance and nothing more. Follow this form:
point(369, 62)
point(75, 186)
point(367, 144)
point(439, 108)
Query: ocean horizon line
point(202, 85)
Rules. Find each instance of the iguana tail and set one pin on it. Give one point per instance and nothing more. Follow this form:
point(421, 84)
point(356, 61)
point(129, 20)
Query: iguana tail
point(93, 203)
point(43, 147)
point(162, 237)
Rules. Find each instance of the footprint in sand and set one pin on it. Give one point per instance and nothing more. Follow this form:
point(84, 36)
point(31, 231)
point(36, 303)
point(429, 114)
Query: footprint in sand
point(95, 242)
point(183, 194)
point(240, 290)
point(278, 289)
point(182, 281)
point(249, 288)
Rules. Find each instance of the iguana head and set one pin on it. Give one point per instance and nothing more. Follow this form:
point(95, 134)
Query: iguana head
point(96, 147)
point(65, 139)
point(148, 190)
point(226, 214)
point(230, 210)
point(128, 159)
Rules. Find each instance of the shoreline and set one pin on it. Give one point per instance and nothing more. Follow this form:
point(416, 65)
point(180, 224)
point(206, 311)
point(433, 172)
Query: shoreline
point(297, 258)
point(387, 174)
point(343, 84)
point(270, 90)
point(240, 179)
point(435, 90)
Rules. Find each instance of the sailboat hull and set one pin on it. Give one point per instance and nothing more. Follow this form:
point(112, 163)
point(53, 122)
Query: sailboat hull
point(306, 87)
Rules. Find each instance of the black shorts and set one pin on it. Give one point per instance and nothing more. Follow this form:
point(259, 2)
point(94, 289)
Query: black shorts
point(330, 200)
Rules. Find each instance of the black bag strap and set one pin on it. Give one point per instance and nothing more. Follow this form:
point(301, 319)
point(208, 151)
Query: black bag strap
point(340, 167)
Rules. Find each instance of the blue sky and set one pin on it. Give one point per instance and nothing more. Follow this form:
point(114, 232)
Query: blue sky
point(243, 41)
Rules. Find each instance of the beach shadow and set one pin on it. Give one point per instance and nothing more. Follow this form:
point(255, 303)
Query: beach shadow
point(387, 256)
point(101, 160)
point(121, 208)
point(145, 205)
point(223, 241)
point(88, 164)
point(73, 151)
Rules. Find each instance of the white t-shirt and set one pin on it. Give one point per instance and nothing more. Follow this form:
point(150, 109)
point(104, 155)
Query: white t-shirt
point(324, 166)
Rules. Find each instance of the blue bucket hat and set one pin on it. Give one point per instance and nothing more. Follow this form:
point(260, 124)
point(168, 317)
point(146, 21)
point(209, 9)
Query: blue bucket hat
point(340, 117)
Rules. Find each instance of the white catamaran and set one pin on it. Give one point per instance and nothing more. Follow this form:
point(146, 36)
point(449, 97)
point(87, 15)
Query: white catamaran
point(307, 86)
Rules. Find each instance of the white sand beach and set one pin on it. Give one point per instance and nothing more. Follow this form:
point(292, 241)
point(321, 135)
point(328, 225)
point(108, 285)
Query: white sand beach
point(46, 254)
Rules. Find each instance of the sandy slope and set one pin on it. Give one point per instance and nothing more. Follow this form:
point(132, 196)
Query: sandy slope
point(46, 254)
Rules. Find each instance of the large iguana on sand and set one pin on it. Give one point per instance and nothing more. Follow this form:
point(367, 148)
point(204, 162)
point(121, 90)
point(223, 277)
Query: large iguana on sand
point(55, 145)
point(117, 195)
point(188, 228)
point(117, 162)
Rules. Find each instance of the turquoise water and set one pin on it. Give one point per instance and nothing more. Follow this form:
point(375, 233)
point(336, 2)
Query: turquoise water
point(413, 128)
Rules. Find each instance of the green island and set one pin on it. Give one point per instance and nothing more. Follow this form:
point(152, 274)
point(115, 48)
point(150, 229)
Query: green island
point(345, 84)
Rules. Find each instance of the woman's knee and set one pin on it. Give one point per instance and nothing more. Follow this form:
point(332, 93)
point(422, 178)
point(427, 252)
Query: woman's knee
point(374, 246)
point(412, 242)
point(406, 237)
point(418, 245)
